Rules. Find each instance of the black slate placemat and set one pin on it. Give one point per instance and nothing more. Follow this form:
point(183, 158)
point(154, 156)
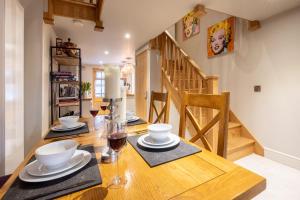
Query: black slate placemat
point(158, 157)
point(138, 122)
point(55, 134)
point(21, 190)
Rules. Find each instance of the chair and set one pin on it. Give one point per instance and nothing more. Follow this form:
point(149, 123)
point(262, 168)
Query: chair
point(218, 102)
point(163, 116)
point(3, 180)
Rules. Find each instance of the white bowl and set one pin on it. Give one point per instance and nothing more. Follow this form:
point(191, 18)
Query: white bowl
point(56, 154)
point(159, 132)
point(69, 121)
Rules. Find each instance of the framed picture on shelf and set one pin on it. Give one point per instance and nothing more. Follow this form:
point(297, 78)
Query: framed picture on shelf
point(59, 43)
point(66, 90)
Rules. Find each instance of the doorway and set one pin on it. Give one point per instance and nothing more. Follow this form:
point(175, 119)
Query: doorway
point(141, 84)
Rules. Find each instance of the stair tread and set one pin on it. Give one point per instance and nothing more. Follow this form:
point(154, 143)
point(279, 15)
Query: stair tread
point(235, 143)
point(233, 125)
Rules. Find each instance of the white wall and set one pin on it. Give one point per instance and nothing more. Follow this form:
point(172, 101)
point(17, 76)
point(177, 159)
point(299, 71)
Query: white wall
point(38, 38)
point(33, 72)
point(268, 57)
point(155, 71)
point(2, 87)
point(49, 38)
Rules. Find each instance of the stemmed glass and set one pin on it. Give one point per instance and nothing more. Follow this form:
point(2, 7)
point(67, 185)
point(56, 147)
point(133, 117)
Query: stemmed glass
point(94, 112)
point(103, 106)
point(116, 141)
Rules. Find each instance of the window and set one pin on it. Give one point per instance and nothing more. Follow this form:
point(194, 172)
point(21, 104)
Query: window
point(99, 84)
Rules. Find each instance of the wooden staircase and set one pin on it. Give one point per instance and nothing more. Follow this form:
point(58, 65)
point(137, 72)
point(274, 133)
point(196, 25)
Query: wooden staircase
point(180, 73)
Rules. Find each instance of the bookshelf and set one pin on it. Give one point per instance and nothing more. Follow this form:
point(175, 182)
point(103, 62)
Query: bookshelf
point(65, 82)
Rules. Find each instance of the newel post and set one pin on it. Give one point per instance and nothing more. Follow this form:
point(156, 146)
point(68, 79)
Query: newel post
point(212, 88)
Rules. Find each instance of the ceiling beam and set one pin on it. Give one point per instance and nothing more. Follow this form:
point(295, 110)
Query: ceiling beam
point(199, 10)
point(99, 23)
point(253, 25)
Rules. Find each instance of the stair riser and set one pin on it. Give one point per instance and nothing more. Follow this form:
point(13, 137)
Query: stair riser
point(245, 151)
point(234, 132)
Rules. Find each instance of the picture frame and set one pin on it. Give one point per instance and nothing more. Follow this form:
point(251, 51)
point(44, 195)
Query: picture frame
point(59, 43)
point(220, 37)
point(190, 25)
point(67, 91)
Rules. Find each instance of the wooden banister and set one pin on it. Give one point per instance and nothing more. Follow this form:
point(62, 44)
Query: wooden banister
point(181, 74)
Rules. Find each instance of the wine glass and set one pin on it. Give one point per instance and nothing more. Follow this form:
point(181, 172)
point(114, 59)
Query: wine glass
point(116, 141)
point(94, 112)
point(103, 106)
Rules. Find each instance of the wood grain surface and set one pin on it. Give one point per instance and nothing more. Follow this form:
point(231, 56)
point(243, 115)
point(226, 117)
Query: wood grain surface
point(200, 176)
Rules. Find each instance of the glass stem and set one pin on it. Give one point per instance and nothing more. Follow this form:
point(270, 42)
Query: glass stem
point(117, 155)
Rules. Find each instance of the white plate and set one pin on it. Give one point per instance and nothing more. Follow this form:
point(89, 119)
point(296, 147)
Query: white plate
point(148, 140)
point(175, 141)
point(24, 176)
point(37, 169)
point(133, 119)
point(62, 128)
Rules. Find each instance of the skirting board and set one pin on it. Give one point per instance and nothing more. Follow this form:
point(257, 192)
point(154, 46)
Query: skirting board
point(283, 158)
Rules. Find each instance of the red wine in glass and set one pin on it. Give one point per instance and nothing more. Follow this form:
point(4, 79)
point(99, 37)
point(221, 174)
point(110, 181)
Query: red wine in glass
point(94, 112)
point(103, 107)
point(117, 140)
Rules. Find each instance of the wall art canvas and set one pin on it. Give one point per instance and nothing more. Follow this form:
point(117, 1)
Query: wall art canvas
point(220, 37)
point(191, 25)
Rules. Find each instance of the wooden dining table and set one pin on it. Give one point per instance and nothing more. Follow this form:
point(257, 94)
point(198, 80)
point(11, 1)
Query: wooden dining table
point(203, 175)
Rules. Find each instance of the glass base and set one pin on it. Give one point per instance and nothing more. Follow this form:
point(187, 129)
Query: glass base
point(117, 182)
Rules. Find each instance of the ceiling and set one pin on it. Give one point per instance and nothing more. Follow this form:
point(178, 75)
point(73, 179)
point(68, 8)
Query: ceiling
point(145, 19)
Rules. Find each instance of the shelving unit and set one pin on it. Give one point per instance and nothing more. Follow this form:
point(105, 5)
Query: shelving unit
point(69, 68)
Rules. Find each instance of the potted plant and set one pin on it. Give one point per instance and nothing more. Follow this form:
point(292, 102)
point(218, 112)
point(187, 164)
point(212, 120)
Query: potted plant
point(86, 89)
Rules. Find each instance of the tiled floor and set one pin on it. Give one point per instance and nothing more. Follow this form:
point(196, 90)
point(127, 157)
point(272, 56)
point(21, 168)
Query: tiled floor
point(283, 182)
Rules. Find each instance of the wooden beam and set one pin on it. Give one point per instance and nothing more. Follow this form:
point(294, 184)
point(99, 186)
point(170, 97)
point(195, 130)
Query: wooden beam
point(67, 8)
point(48, 16)
point(253, 25)
point(75, 9)
point(199, 10)
point(98, 21)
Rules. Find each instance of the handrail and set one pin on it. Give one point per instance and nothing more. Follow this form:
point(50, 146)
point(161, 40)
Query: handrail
point(194, 64)
point(159, 41)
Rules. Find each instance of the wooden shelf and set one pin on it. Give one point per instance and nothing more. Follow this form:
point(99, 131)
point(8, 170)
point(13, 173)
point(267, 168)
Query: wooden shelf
point(67, 82)
point(66, 104)
point(73, 80)
point(67, 60)
point(86, 99)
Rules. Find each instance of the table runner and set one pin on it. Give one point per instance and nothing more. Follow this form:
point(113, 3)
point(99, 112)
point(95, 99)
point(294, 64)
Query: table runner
point(22, 190)
point(158, 157)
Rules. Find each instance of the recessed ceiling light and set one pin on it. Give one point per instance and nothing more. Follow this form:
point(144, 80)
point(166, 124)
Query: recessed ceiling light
point(127, 36)
point(100, 62)
point(106, 52)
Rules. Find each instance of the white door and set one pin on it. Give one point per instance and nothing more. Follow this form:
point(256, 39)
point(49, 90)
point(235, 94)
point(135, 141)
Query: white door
point(14, 84)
